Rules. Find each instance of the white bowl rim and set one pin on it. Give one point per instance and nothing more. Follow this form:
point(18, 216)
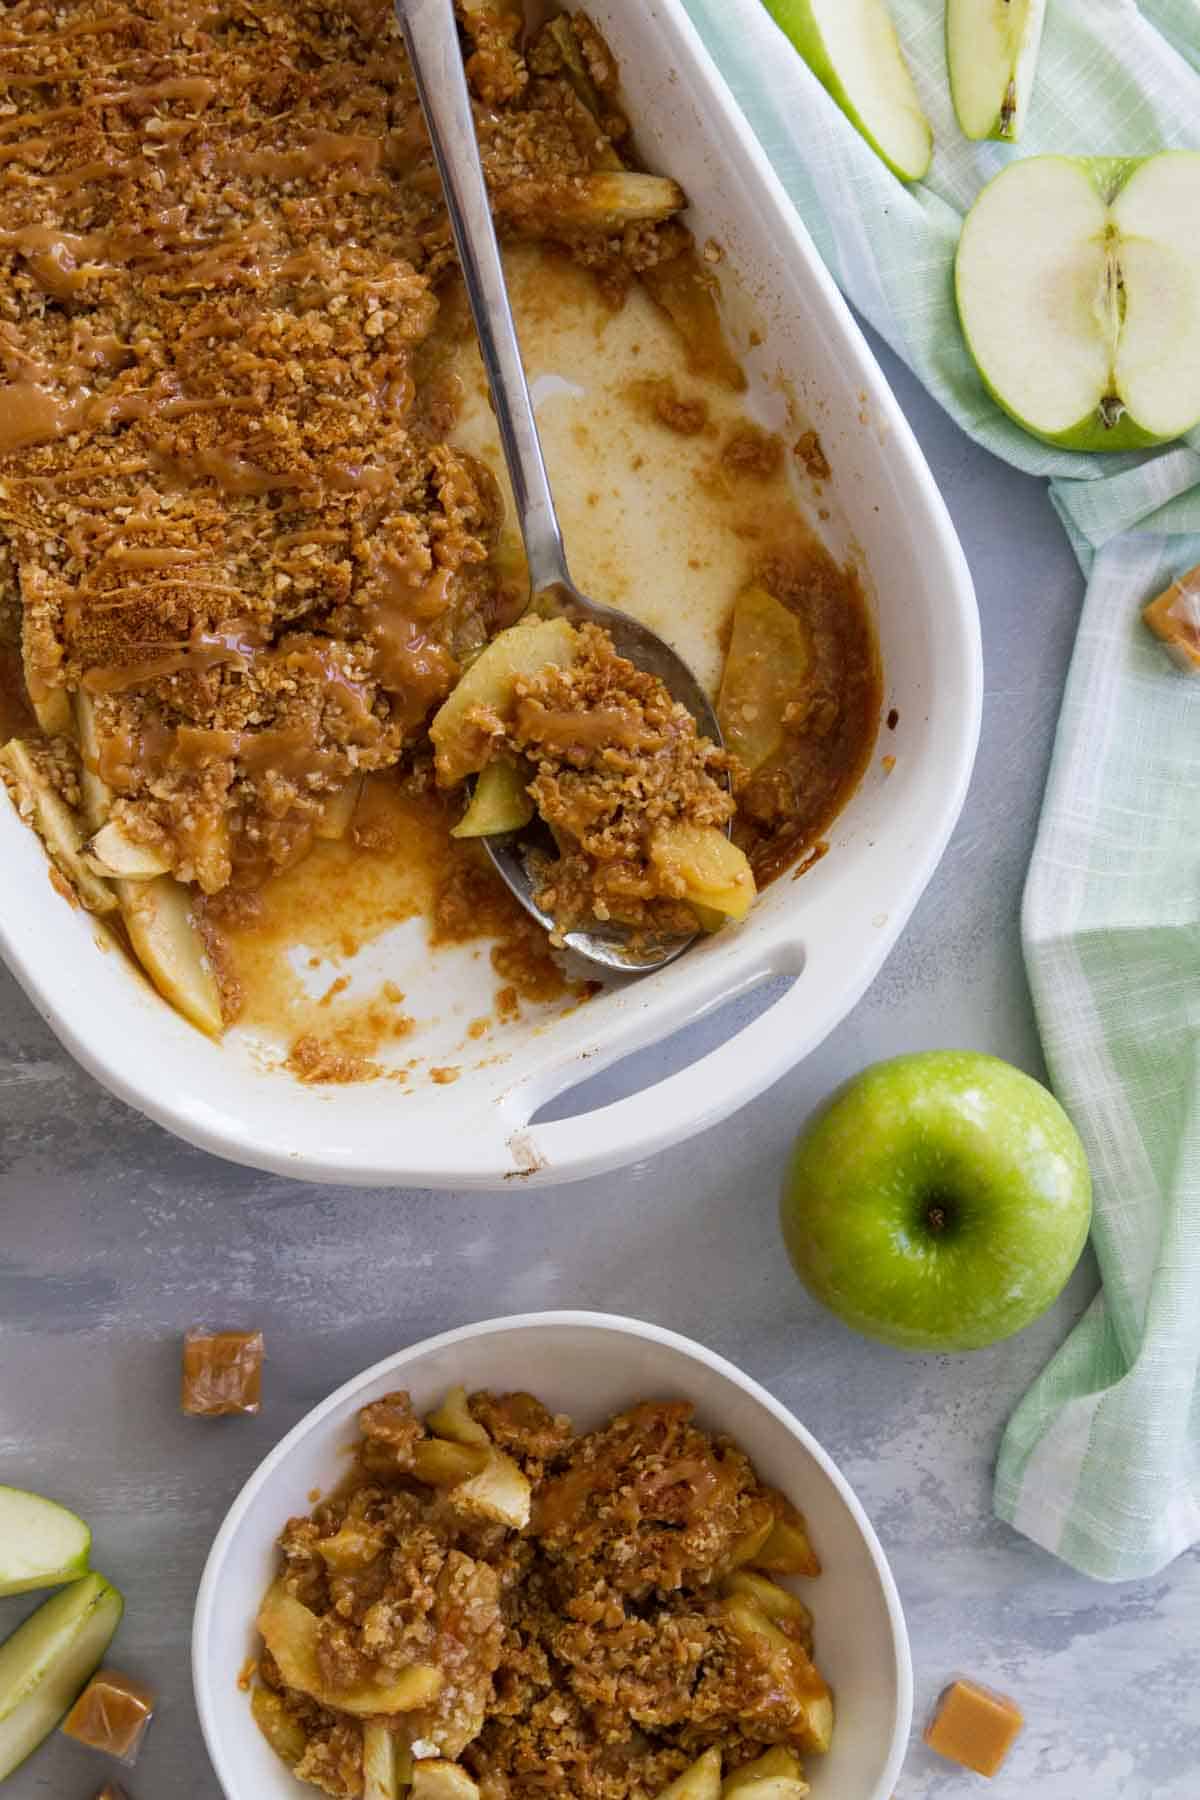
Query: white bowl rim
point(463, 1334)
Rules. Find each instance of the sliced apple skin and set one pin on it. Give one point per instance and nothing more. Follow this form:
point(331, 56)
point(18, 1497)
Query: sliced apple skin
point(48, 1660)
point(1076, 321)
point(992, 49)
point(852, 48)
point(41, 1543)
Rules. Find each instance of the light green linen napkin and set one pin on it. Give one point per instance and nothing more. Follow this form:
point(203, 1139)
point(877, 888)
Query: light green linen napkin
point(1101, 1461)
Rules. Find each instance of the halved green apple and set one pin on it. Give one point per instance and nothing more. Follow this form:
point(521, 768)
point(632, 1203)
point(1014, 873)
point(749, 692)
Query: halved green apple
point(852, 48)
point(1078, 285)
point(992, 51)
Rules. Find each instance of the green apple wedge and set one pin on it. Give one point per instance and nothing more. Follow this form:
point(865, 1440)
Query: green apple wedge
point(41, 1543)
point(992, 51)
point(852, 48)
point(48, 1660)
point(1078, 288)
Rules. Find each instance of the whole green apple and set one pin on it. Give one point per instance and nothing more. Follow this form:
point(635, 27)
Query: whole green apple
point(939, 1201)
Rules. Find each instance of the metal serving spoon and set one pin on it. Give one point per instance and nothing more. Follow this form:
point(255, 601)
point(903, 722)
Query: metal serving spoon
point(431, 38)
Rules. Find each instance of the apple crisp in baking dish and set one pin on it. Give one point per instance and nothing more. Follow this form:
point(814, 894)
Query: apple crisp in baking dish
point(249, 582)
point(492, 1606)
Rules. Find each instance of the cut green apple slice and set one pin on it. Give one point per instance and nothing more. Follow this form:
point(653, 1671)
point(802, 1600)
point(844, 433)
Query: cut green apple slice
point(41, 1543)
point(46, 1662)
point(1078, 284)
point(852, 48)
point(992, 50)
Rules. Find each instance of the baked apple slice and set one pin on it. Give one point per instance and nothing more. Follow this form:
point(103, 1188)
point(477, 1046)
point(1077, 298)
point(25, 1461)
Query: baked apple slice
point(291, 1633)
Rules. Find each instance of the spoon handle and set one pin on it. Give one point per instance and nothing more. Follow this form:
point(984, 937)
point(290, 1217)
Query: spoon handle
point(431, 39)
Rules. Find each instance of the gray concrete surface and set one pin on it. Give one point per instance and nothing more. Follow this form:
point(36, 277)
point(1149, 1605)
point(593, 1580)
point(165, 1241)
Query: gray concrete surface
point(113, 1238)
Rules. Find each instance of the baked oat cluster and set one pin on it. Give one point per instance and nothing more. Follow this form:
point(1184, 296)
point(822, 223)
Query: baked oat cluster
point(611, 760)
point(492, 1606)
point(228, 517)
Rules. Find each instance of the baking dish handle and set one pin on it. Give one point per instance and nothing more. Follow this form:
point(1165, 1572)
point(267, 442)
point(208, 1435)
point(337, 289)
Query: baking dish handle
point(731, 1075)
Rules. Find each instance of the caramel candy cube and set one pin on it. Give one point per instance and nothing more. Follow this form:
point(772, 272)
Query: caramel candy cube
point(974, 1727)
point(222, 1372)
point(1175, 618)
point(111, 1715)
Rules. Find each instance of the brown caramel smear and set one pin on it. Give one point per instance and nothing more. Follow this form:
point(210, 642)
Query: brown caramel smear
point(974, 1727)
point(112, 1790)
point(111, 1715)
point(1175, 618)
point(222, 1373)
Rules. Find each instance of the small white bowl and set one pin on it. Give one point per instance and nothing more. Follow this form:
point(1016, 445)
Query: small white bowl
point(589, 1365)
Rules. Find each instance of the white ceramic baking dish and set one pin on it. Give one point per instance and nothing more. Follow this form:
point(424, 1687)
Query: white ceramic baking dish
point(589, 1365)
point(829, 931)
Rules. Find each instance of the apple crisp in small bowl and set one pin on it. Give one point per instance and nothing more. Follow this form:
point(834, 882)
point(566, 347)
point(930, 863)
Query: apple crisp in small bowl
point(478, 1595)
point(493, 1605)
